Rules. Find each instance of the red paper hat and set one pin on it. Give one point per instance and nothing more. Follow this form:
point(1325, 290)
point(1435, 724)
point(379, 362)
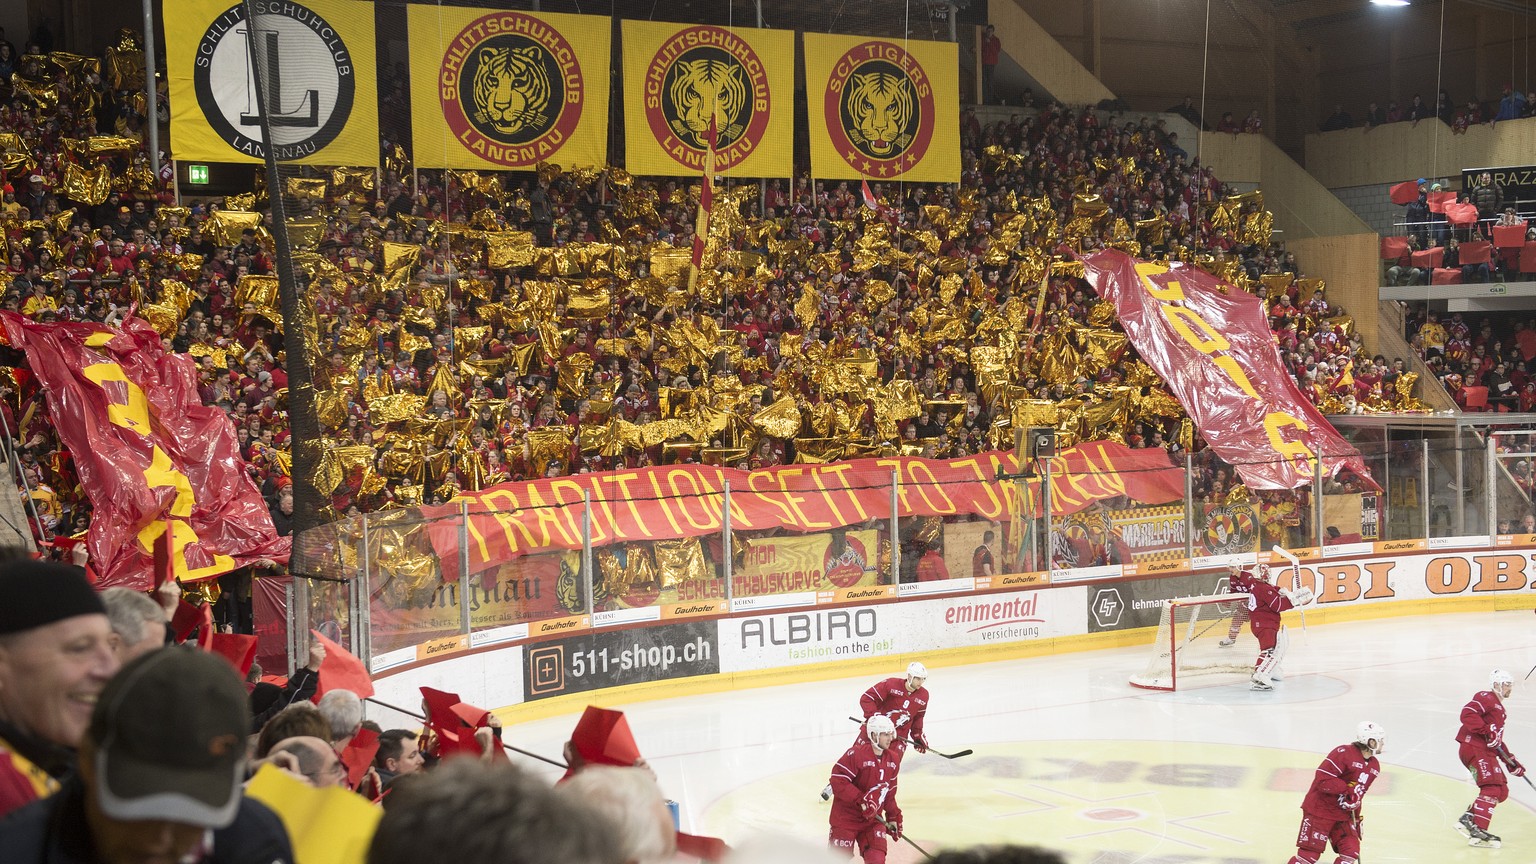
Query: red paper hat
point(602, 737)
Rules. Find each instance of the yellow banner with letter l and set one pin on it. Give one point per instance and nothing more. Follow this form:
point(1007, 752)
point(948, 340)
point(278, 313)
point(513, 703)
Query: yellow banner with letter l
point(321, 100)
point(883, 109)
point(506, 90)
point(677, 75)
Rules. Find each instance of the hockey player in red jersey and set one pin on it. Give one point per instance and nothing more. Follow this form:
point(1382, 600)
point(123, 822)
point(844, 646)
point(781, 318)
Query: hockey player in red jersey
point(1481, 737)
point(905, 701)
point(1331, 811)
point(1265, 603)
point(864, 809)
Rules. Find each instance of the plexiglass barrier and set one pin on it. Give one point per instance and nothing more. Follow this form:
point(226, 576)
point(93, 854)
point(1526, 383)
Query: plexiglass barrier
point(411, 583)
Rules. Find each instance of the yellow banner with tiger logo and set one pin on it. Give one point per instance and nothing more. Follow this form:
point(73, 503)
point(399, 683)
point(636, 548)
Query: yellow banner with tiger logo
point(885, 109)
point(677, 75)
point(506, 90)
point(320, 101)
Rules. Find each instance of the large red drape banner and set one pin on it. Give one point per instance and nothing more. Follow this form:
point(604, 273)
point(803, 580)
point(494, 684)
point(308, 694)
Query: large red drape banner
point(149, 453)
point(1212, 344)
point(673, 501)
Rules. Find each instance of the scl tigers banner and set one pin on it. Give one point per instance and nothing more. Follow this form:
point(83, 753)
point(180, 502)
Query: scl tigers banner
point(322, 97)
point(1212, 344)
point(883, 109)
point(672, 501)
point(148, 452)
point(507, 90)
point(677, 75)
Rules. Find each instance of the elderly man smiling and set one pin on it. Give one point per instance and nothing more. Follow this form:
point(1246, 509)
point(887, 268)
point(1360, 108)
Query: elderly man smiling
point(55, 658)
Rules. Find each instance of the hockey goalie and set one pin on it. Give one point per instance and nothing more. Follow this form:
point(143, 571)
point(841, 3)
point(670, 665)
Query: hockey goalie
point(1265, 603)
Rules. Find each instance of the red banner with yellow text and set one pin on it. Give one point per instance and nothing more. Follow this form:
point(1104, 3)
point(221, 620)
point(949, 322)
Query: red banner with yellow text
point(672, 501)
point(1213, 345)
point(149, 453)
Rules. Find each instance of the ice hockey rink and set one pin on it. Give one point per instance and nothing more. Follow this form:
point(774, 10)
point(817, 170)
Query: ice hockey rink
point(1070, 757)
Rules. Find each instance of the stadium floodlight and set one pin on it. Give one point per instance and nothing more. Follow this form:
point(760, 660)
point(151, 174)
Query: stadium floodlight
point(1389, 2)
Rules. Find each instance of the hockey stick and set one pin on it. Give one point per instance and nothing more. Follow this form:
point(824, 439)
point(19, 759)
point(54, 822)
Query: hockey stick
point(965, 752)
point(504, 745)
point(926, 854)
point(1295, 578)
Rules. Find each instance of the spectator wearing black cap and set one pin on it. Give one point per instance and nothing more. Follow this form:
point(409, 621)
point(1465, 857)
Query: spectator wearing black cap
point(55, 659)
point(161, 767)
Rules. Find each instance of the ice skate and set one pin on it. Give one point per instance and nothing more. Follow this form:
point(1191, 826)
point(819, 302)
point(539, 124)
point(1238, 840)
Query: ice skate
point(1227, 642)
point(1260, 685)
point(826, 792)
point(1484, 840)
point(1465, 826)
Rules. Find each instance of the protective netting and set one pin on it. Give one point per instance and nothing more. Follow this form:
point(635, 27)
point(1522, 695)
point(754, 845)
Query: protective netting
point(1199, 636)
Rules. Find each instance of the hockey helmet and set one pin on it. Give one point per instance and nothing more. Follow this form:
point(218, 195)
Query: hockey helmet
point(879, 724)
point(1371, 735)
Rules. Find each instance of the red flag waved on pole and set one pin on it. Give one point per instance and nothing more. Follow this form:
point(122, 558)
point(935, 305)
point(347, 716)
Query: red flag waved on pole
point(153, 460)
point(1213, 346)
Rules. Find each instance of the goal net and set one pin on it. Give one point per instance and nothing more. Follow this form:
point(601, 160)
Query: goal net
point(1189, 637)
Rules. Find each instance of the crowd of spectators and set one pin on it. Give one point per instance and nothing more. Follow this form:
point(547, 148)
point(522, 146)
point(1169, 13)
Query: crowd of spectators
point(1512, 105)
point(477, 328)
point(1483, 361)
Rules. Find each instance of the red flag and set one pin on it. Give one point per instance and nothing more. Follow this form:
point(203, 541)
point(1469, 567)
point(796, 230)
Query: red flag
point(188, 618)
point(1406, 192)
point(1430, 257)
point(341, 671)
point(602, 737)
point(238, 648)
point(1393, 248)
point(445, 717)
point(703, 848)
point(1461, 214)
point(1509, 236)
point(1476, 252)
point(870, 200)
point(1438, 200)
point(147, 450)
point(358, 755)
point(706, 206)
point(1213, 347)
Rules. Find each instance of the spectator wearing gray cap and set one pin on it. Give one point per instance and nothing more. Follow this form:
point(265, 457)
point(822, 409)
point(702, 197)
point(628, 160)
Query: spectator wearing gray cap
point(160, 774)
point(55, 659)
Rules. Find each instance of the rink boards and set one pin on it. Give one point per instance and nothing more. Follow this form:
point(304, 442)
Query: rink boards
point(549, 672)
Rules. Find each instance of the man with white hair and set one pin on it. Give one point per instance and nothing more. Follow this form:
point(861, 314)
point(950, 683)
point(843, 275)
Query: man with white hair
point(630, 799)
point(138, 622)
point(344, 712)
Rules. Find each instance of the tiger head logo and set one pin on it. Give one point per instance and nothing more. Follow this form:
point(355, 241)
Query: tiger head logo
point(880, 104)
point(704, 88)
point(511, 90)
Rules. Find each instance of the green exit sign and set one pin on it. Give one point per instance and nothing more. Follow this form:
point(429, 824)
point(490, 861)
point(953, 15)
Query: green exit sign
point(197, 175)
